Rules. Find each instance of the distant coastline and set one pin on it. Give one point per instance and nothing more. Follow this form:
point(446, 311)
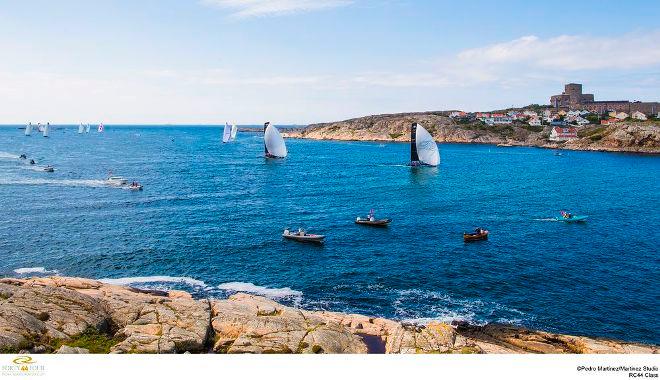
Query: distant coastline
point(626, 136)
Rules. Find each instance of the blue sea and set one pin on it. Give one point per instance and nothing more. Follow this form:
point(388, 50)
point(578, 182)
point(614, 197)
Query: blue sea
point(211, 215)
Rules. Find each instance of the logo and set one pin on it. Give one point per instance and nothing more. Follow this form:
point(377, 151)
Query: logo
point(23, 365)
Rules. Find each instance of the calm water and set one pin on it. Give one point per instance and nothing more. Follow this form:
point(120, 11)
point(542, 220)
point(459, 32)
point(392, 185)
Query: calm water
point(210, 217)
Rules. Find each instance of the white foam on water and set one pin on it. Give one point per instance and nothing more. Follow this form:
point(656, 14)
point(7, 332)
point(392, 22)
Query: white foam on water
point(8, 156)
point(248, 287)
point(154, 279)
point(56, 182)
point(33, 270)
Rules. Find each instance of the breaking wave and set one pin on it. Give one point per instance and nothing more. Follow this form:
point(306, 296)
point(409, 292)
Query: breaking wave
point(56, 182)
point(34, 270)
point(154, 280)
point(248, 287)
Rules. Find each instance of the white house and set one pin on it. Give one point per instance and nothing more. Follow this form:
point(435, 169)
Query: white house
point(530, 114)
point(547, 113)
point(581, 121)
point(621, 116)
point(563, 133)
point(535, 122)
point(638, 115)
point(498, 119)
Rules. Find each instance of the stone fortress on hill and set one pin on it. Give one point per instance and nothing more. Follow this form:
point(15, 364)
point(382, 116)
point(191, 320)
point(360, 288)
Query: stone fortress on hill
point(573, 99)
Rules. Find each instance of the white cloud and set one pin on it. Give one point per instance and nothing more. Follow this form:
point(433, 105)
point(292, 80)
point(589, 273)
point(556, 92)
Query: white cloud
point(573, 52)
point(254, 8)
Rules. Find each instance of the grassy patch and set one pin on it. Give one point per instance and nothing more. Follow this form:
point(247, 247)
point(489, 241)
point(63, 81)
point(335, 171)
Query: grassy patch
point(395, 136)
point(92, 339)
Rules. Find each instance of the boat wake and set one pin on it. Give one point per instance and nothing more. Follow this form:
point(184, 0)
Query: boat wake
point(248, 287)
point(8, 156)
point(546, 219)
point(56, 182)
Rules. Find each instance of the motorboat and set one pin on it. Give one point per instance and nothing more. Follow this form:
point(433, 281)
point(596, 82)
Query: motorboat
point(116, 181)
point(49, 169)
point(135, 186)
point(303, 236)
point(478, 234)
point(371, 220)
point(567, 217)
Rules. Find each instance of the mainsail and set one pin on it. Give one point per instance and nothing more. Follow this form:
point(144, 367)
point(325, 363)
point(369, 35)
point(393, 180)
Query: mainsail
point(233, 132)
point(273, 142)
point(226, 134)
point(87, 127)
point(101, 128)
point(81, 129)
point(28, 129)
point(46, 129)
point(423, 149)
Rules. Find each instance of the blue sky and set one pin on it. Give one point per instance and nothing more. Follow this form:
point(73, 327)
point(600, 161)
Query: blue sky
point(302, 61)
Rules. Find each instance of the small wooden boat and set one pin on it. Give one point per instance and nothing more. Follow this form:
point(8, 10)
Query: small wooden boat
point(475, 236)
point(373, 222)
point(303, 236)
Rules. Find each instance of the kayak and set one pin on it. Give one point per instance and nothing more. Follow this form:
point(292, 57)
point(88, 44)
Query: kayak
point(375, 222)
point(572, 219)
point(475, 236)
point(305, 238)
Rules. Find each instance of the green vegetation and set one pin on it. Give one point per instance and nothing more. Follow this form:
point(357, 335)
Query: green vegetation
point(92, 339)
point(593, 119)
point(395, 136)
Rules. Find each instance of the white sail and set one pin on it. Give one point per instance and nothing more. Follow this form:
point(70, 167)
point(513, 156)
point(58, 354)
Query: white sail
point(274, 142)
point(233, 132)
point(28, 129)
point(81, 129)
point(87, 128)
point(46, 129)
point(226, 134)
point(427, 149)
point(101, 128)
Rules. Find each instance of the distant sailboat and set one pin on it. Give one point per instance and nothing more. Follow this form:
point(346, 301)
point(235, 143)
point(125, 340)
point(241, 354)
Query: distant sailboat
point(234, 130)
point(226, 134)
point(423, 149)
point(101, 128)
point(46, 129)
point(87, 128)
point(81, 129)
point(28, 129)
point(273, 142)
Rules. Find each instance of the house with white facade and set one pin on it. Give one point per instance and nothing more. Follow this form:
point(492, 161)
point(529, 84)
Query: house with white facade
point(534, 122)
point(621, 116)
point(638, 116)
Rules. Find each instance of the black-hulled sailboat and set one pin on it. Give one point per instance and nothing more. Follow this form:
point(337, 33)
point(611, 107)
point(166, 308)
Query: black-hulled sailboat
point(274, 146)
point(423, 149)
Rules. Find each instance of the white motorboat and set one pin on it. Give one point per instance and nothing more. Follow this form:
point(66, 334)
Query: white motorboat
point(116, 181)
point(303, 236)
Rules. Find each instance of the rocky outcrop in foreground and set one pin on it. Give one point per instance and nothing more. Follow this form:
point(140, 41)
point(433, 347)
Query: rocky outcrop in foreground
point(622, 137)
point(75, 315)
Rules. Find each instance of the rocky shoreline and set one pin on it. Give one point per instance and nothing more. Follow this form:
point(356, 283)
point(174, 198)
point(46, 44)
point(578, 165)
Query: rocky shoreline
point(633, 137)
point(76, 315)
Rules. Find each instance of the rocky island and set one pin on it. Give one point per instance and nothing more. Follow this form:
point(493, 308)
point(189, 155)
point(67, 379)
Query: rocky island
point(76, 315)
point(632, 136)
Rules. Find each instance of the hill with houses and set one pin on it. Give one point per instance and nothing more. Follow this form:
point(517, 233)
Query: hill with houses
point(534, 125)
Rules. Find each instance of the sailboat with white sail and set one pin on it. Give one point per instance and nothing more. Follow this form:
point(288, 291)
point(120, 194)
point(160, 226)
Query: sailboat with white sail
point(234, 130)
point(274, 146)
point(81, 129)
point(226, 134)
point(46, 129)
point(28, 129)
point(101, 128)
point(423, 149)
point(87, 128)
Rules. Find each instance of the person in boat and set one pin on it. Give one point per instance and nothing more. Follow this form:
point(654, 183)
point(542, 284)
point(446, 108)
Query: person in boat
point(371, 216)
point(566, 215)
point(478, 231)
point(301, 232)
